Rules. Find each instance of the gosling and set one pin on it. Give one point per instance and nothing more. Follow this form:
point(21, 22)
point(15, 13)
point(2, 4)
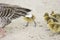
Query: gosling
point(47, 17)
point(52, 22)
point(55, 15)
point(29, 19)
point(54, 26)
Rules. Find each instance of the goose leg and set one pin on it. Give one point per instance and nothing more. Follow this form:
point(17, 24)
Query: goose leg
point(2, 32)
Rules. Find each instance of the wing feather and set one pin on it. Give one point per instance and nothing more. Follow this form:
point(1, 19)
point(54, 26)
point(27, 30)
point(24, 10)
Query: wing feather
point(12, 11)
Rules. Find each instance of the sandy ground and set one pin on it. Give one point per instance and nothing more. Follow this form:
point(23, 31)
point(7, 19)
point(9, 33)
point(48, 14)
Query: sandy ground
point(17, 31)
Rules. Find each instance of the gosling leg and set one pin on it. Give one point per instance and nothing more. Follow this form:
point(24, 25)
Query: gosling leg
point(35, 24)
point(27, 24)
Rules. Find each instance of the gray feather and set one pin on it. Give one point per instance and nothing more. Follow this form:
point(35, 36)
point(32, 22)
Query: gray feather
point(9, 12)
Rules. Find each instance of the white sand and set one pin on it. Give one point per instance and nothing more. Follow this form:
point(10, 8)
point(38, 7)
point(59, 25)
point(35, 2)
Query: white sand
point(17, 31)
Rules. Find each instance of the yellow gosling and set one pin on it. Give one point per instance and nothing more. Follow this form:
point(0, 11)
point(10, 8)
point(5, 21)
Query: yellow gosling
point(54, 26)
point(56, 15)
point(46, 16)
point(52, 22)
point(30, 19)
